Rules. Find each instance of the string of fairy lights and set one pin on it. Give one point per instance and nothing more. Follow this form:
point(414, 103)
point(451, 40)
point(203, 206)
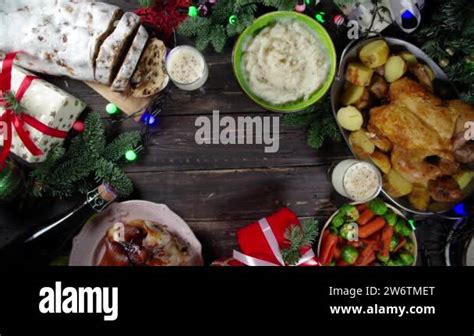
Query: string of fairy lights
point(149, 121)
point(203, 9)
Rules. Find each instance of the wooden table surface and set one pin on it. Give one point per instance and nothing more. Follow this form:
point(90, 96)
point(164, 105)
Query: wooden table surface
point(216, 188)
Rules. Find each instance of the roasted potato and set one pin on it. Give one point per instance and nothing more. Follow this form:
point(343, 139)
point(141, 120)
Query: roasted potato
point(360, 153)
point(419, 198)
point(365, 101)
point(374, 54)
point(389, 189)
point(408, 57)
point(379, 87)
point(360, 140)
point(398, 185)
point(395, 68)
point(378, 140)
point(350, 118)
point(424, 74)
point(352, 94)
point(381, 160)
point(358, 74)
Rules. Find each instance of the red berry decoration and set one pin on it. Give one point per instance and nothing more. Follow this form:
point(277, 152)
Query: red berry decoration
point(78, 126)
point(338, 20)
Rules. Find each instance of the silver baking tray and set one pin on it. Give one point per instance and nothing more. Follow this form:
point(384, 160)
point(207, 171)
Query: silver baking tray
point(443, 89)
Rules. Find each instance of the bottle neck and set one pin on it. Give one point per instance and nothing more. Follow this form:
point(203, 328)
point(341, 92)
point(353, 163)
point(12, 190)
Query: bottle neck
point(96, 201)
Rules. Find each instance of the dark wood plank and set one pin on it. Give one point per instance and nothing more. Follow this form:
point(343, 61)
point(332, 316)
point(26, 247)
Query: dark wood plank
point(173, 147)
point(238, 193)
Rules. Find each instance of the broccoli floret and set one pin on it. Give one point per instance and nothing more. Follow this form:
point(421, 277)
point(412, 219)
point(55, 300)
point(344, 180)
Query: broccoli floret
point(349, 212)
point(377, 206)
point(390, 218)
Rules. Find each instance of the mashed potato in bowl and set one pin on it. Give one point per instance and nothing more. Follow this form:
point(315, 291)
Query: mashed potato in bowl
point(285, 62)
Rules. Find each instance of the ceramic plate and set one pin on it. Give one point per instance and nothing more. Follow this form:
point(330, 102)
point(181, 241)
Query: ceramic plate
point(88, 246)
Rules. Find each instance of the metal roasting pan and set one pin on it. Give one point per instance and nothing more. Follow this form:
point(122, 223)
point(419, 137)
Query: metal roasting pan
point(443, 89)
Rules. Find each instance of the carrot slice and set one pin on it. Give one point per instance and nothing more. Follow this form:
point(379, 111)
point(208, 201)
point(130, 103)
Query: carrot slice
point(377, 246)
point(361, 207)
point(366, 256)
point(372, 227)
point(365, 217)
point(342, 263)
point(328, 244)
point(401, 243)
point(387, 234)
point(337, 252)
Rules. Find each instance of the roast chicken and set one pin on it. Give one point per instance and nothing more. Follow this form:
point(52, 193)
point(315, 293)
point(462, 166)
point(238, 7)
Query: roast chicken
point(425, 133)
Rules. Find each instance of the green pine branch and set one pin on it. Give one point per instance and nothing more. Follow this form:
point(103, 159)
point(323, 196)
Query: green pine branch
point(114, 176)
point(299, 236)
point(319, 122)
point(94, 133)
point(124, 142)
point(87, 162)
point(448, 37)
point(12, 102)
point(216, 29)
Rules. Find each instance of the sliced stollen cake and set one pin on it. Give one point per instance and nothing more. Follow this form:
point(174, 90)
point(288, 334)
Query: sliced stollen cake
point(115, 47)
point(150, 76)
point(122, 80)
point(61, 38)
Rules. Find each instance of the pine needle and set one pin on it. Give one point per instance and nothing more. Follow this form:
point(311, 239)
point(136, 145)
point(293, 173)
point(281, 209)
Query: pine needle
point(299, 236)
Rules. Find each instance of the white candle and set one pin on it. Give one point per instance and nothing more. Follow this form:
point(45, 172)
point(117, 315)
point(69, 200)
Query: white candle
point(187, 68)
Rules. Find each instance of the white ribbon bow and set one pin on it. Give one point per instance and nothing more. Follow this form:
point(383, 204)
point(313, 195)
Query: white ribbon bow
point(273, 243)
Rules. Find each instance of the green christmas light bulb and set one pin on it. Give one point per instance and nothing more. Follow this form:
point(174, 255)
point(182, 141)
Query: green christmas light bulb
point(111, 108)
point(130, 155)
point(193, 11)
point(233, 19)
point(320, 17)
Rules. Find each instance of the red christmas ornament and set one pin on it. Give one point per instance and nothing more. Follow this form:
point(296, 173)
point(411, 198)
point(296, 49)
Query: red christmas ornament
point(78, 126)
point(338, 20)
point(300, 7)
point(164, 16)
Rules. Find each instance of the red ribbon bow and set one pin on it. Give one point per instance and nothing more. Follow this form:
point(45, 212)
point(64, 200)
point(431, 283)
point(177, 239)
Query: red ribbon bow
point(18, 121)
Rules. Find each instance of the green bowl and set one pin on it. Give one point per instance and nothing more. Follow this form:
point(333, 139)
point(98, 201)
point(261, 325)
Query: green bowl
point(264, 21)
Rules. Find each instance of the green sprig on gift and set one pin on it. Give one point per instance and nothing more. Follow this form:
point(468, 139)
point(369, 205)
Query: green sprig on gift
point(13, 103)
point(87, 162)
point(299, 236)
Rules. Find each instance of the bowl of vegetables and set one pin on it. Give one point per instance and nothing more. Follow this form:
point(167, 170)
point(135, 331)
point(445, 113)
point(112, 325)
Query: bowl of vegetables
point(367, 234)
